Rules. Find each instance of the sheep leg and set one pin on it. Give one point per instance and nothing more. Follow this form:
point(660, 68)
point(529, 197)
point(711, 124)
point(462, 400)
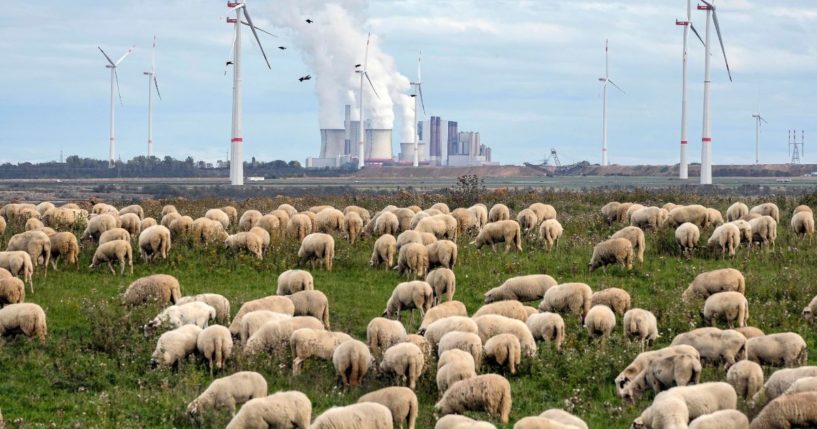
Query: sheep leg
point(111, 267)
point(296, 366)
point(54, 262)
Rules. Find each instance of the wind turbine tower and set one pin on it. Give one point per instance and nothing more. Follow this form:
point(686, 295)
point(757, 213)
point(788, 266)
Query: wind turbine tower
point(758, 119)
point(418, 94)
point(687, 24)
point(605, 80)
point(114, 81)
point(152, 81)
point(361, 161)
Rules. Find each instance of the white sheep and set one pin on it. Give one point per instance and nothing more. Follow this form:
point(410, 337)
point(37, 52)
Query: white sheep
point(12, 290)
point(174, 346)
point(412, 236)
point(715, 345)
point(527, 220)
point(617, 299)
point(687, 235)
point(319, 343)
point(781, 380)
point(382, 333)
point(114, 234)
point(193, 313)
point(549, 327)
point(454, 365)
point(564, 418)
point(409, 296)
point(550, 231)
point(441, 311)
point(292, 281)
point(489, 392)
point(229, 391)
point(384, 251)
point(502, 231)
point(726, 306)
point(311, 303)
point(664, 373)
point(713, 217)
point(805, 384)
point(810, 309)
point(612, 251)
point(219, 216)
point(401, 401)
point(643, 360)
point(281, 410)
point(573, 298)
point(491, 325)
point(419, 341)
point(329, 221)
point(642, 324)
point(727, 237)
point(406, 361)
point(802, 224)
point(317, 247)
point(443, 282)
point(36, 243)
point(162, 288)
point(767, 209)
point(365, 415)
point(521, 288)
point(749, 332)
point(117, 250)
point(216, 345)
point(499, 212)
point(254, 320)
point(746, 377)
point(19, 264)
point(694, 213)
point(27, 318)
point(434, 332)
point(442, 253)
point(133, 223)
point(649, 218)
point(386, 223)
point(147, 223)
point(278, 304)
point(736, 211)
point(465, 341)
point(456, 421)
point(513, 309)
point(635, 236)
point(723, 419)
point(218, 302)
point(154, 241)
point(64, 245)
point(97, 225)
point(504, 349)
point(764, 230)
point(298, 226)
point(694, 401)
point(789, 411)
point(248, 220)
point(783, 349)
point(600, 321)
point(413, 257)
point(274, 335)
point(352, 361)
point(710, 282)
point(248, 241)
point(466, 221)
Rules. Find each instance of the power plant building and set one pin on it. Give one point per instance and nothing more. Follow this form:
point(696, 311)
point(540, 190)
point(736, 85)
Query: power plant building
point(340, 146)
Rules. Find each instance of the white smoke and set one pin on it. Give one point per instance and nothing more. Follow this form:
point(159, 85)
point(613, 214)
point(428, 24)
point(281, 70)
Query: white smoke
point(331, 47)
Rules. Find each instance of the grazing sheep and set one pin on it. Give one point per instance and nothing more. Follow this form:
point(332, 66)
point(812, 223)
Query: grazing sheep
point(292, 281)
point(434, 332)
point(498, 212)
point(642, 324)
point(443, 226)
point(781, 380)
point(573, 298)
point(174, 346)
point(789, 411)
point(662, 374)
point(254, 320)
point(409, 296)
point(206, 231)
point(506, 231)
point(527, 220)
point(784, 349)
point(465, 341)
point(702, 399)
point(134, 209)
point(274, 335)
point(288, 209)
point(610, 212)
point(404, 217)
point(564, 418)
point(248, 220)
point(521, 288)
point(728, 307)
point(352, 226)
point(412, 236)
point(181, 227)
point(746, 377)
point(216, 345)
point(263, 235)
point(714, 345)
point(219, 216)
point(723, 419)
point(711, 282)
point(802, 224)
point(277, 304)
point(749, 332)
point(133, 223)
point(227, 392)
point(306, 343)
point(453, 365)
point(480, 212)
point(736, 211)
point(168, 219)
point(329, 221)
point(114, 234)
point(311, 303)
point(727, 237)
point(12, 291)
point(543, 211)
point(649, 218)
point(627, 214)
point(271, 224)
point(600, 321)
point(419, 341)
point(456, 421)
point(767, 209)
point(97, 225)
point(317, 247)
point(25, 318)
point(298, 226)
point(466, 221)
point(193, 313)
point(352, 360)
point(366, 415)
point(218, 302)
point(512, 309)
point(713, 217)
point(64, 244)
point(33, 224)
point(117, 250)
point(492, 325)
point(248, 241)
point(364, 214)
point(764, 230)
point(382, 333)
point(413, 257)
point(154, 241)
point(617, 299)
point(489, 392)
point(100, 208)
point(18, 263)
point(635, 236)
point(386, 223)
point(810, 309)
point(687, 235)
point(643, 360)
point(612, 251)
point(383, 253)
point(290, 409)
point(504, 349)
point(442, 253)
point(805, 384)
point(161, 288)
point(441, 311)
point(549, 327)
point(401, 401)
point(550, 231)
point(406, 361)
point(802, 208)
point(443, 282)
point(36, 243)
point(695, 213)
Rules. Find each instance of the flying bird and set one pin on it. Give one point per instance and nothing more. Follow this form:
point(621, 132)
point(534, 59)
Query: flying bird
point(303, 78)
point(283, 48)
point(228, 63)
point(358, 65)
point(309, 21)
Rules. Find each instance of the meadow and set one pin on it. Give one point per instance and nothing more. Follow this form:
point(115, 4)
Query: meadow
point(93, 369)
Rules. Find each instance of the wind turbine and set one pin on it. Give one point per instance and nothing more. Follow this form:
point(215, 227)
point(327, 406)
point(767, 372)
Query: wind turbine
point(114, 80)
point(605, 80)
point(758, 118)
point(418, 94)
point(363, 73)
point(682, 166)
point(237, 140)
point(706, 140)
point(152, 81)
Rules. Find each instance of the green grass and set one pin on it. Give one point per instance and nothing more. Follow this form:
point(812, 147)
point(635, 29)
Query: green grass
point(93, 370)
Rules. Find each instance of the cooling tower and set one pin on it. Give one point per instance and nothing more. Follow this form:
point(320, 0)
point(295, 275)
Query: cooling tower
point(333, 142)
point(407, 152)
point(378, 145)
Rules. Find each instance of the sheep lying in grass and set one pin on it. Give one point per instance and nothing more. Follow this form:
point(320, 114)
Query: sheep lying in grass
point(306, 343)
point(162, 288)
point(117, 250)
point(352, 361)
point(281, 410)
point(174, 346)
point(401, 401)
point(229, 391)
point(406, 361)
point(489, 392)
point(521, 288)
point(216, 345)
point(365, 415)
point(27, 318)
point(612, 251)
point(503, 231)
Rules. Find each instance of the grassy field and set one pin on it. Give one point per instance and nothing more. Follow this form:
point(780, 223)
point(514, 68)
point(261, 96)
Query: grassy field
point(93, 370)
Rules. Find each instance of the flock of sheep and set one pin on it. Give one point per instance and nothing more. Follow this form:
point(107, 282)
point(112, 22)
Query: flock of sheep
point(422, 246)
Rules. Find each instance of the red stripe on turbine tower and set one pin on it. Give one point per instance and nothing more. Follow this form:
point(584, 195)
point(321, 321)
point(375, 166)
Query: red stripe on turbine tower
point(683, 142)
point(237, 140)
point(706, 139)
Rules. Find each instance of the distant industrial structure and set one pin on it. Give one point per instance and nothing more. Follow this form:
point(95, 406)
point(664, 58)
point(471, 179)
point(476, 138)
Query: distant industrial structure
point(796, 149)
point(440, 143)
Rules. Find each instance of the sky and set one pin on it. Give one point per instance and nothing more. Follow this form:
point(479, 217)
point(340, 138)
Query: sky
point(522, 73)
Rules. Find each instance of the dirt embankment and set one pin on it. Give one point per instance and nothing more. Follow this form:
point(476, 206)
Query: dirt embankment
point(438, 172)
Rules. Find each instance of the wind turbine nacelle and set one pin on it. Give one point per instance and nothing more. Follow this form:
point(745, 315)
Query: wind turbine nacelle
point(601, 79)
point(231, 20)
point(232, 4)
point(704, 7)
point(677, 22)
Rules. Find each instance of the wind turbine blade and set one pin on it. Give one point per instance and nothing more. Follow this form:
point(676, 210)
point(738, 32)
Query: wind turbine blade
point(259, 29)
point(156, 84)
point(762, 119)
point(617, 87)
point(116, 78)
point(720, 39)
point(106, 56)
point(122, 58)
point(255, 33)
point(153, 57)
point(422, 102)
point(696, 33)
point(371, 84)
point(236, 7)
point(366, 56)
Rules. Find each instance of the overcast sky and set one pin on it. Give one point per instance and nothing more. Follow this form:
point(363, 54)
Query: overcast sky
point(522, 73)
